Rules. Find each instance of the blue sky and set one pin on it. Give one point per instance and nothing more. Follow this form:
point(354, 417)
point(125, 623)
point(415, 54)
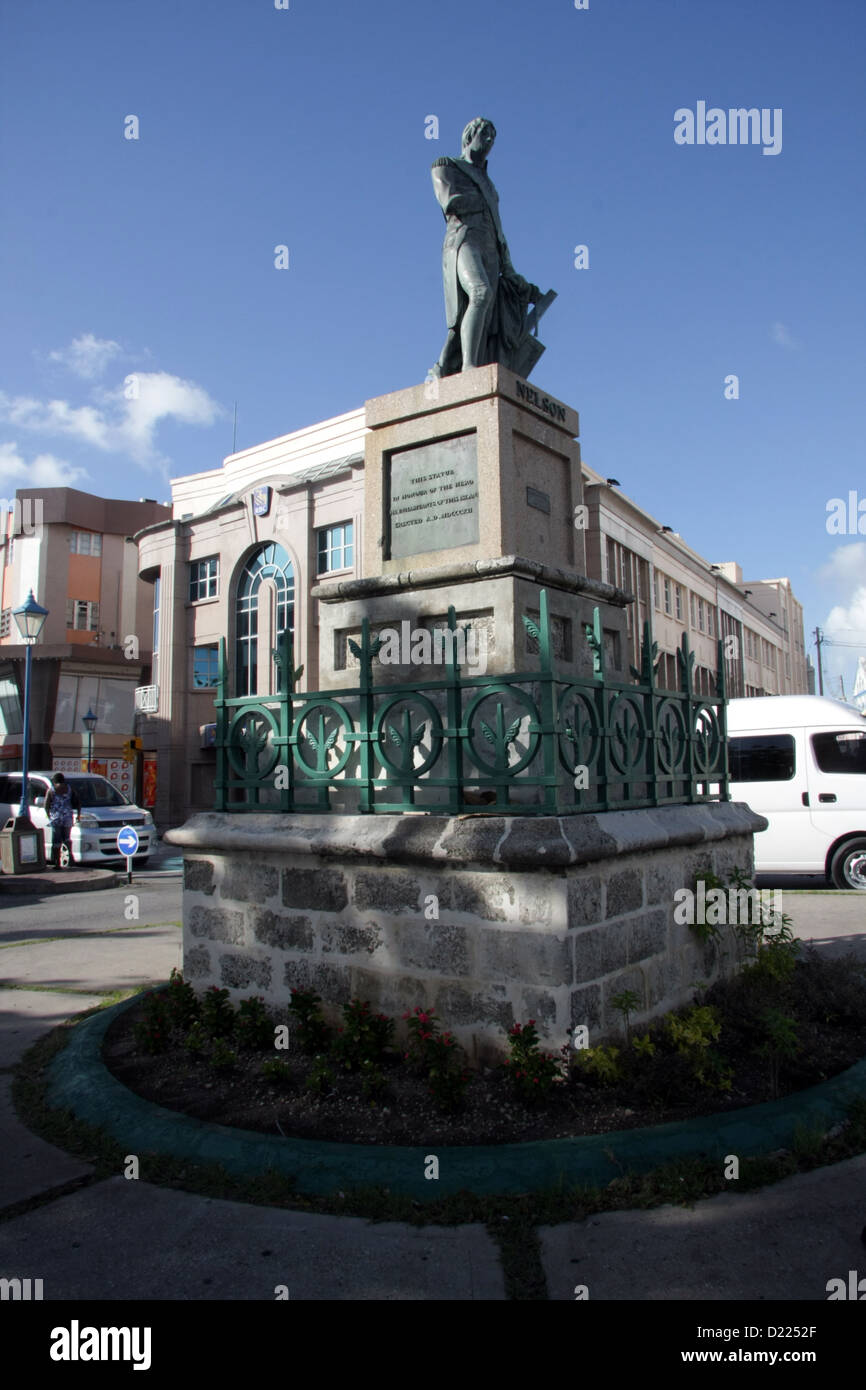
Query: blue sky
point(306, 127)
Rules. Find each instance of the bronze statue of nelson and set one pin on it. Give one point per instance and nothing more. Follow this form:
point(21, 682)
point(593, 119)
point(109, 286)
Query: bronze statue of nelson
point(486, 301)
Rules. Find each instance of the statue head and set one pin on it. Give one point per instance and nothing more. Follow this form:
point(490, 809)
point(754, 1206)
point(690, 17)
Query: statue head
point(478, 136)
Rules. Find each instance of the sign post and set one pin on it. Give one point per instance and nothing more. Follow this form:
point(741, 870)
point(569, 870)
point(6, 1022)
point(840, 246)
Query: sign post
point(127, 844)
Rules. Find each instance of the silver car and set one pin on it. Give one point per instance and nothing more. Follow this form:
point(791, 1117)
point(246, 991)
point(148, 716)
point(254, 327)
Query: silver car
point(104, 811)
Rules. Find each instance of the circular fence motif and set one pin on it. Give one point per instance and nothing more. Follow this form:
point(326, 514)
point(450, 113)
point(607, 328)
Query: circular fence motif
point(317, 737)
point(395, 741)
point(625, 721)
point(500, 730)
point(671, 738)
point(579, 734)
point(251, 750)
point(707, 739)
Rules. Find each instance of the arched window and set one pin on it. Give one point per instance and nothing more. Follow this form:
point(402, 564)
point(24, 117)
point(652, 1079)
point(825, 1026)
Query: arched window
point(265, 604)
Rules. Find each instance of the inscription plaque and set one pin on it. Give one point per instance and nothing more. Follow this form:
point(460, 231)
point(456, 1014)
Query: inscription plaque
point(433, 497)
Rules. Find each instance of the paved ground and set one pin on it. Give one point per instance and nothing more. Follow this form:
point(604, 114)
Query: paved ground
point(59, 957)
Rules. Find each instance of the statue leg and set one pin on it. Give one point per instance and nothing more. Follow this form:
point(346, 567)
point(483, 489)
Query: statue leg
point(475, 282)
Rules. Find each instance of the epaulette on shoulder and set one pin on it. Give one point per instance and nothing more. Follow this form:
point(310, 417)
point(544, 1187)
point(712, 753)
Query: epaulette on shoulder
point(443, 159)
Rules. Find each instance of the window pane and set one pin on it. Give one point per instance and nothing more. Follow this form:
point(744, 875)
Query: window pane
point(764, 758)
point(205, 667)
point(840, 752)
point(116, 706)
point(67, 687)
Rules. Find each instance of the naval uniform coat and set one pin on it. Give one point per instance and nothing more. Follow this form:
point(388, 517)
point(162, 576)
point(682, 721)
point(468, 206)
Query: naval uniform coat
point(470, 205)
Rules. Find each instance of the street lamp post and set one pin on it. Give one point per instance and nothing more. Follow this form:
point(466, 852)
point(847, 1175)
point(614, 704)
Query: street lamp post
point(29, 619)
point(89, 721)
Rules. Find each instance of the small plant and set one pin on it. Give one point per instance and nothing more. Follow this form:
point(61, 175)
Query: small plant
point(363, 1037)
point(625, 1003)
point(644, 1046)
point(217, 1014)
point(423, 1031)
point(222, 1057)
point(313, 1033)
point(321, 1078)
point(693, 1034)
point(372, 1081)
point(277, 1071)
point(707, 931)
point(253, 1027)
point(780, 1043)
point(195, 1041)
point(601, 1063)
point(446, 1078)
point(181, 1002)
point(532, 1073)
point(152, 1033)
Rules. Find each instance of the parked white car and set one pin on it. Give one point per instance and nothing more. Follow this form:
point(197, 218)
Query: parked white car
point(104, 810)
point(800, 760)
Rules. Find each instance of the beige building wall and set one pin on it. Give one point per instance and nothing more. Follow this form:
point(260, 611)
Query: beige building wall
point(760, 623)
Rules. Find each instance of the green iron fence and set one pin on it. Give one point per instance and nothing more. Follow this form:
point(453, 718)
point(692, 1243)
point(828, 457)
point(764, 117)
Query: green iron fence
point(530, 744)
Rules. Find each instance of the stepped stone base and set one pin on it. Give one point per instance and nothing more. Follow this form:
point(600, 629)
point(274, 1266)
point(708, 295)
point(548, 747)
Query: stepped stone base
point(488, 920)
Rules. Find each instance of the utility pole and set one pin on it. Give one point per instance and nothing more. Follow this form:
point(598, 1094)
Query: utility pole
point(819, 638)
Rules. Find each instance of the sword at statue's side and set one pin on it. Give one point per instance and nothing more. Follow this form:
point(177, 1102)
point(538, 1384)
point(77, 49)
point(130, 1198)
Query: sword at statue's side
point(537, 310)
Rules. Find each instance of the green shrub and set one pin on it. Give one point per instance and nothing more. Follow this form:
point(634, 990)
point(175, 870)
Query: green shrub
point(692, 1034)
point(181, 1002)
point(222, 1057)
point(277, 1071)
point(532, 1073)
point(321, 1079)
point(363, 1037)
point(195, 1041)
point(253, 1027)
point(313, 1033)
point(217, 1014)
point(600, 1064)
point(153, 1031)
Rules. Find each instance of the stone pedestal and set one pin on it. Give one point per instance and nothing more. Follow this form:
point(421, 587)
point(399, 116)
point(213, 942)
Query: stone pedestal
point(488, 920)
point(472, 497)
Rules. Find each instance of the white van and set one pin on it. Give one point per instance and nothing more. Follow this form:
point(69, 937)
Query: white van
point(104, 811)
point(800, 760)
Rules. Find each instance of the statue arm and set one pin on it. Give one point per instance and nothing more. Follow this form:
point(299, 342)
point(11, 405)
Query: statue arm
point(453, 200)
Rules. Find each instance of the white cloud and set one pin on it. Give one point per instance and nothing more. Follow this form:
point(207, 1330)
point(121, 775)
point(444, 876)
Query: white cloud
point(845, 572)
point(55, 417)
point(125, 420)
point(159, 396)
point(783, 337)
point(46, 470)
point(87, 356)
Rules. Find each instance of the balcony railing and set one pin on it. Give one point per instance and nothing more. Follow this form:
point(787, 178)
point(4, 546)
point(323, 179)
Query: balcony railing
point(147, 699)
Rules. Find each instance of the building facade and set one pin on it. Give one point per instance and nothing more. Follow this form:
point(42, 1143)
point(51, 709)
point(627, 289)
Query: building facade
point(759, 621)
point(76, 553)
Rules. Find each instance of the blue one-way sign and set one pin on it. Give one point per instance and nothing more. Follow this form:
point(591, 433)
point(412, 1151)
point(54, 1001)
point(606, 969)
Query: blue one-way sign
point(127, 841)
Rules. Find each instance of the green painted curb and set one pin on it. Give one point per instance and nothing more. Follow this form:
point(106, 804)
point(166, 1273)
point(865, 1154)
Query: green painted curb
point(80, 1081)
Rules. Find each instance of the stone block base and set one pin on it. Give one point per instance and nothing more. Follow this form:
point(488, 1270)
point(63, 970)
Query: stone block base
point(489, 920)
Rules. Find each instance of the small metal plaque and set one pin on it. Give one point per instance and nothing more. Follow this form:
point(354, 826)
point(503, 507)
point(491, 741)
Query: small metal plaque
point(433, 497)
point(537, 499)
